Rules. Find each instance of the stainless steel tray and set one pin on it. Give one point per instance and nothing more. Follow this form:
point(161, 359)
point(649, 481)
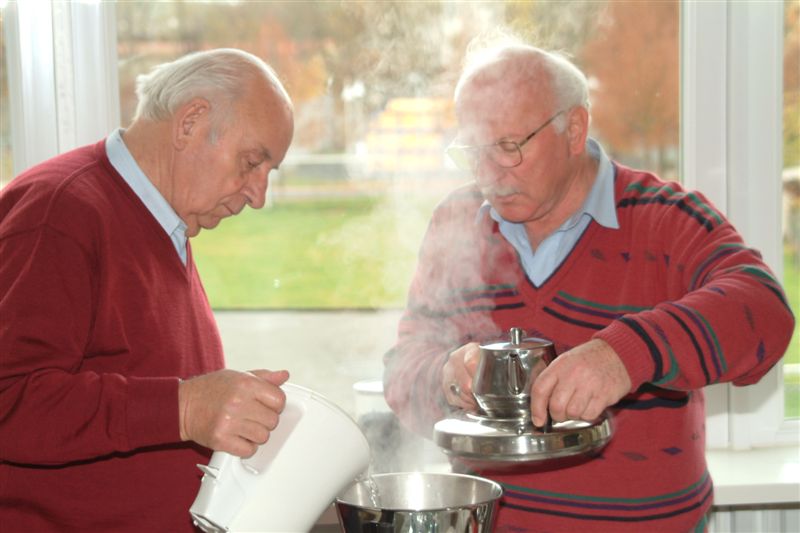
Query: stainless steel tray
point(499, 442)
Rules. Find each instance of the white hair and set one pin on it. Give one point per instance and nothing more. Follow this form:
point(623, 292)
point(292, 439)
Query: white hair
point(220, 76)
point(568, 84)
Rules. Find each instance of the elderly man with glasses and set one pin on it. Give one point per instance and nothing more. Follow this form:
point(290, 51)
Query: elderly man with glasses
point(646, 290)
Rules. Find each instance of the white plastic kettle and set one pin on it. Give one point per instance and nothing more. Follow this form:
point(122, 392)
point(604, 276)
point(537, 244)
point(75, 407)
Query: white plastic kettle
point(314, 453)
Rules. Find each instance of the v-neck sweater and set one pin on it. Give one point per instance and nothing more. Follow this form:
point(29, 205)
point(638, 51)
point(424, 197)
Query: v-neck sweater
point(100, 319)
point(674, 291)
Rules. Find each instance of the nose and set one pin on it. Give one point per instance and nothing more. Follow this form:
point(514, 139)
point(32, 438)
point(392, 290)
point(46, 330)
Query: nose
point(487, 172)
point(255, 189)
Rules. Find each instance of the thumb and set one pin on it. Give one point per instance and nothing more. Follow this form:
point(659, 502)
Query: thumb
point(276, 377)
point(472, 358)
point(541, 391)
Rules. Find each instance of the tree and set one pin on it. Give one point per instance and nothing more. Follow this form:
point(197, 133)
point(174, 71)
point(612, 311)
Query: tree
point(791, 85)
point(633, 64)
point(563, 26)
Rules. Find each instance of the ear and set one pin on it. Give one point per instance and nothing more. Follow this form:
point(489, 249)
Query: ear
point(190, 122)
point(577, 129)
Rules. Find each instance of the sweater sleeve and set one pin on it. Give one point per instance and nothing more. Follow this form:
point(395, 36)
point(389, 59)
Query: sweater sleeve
point(434, 321)
point(413, 367)
point(726, 318)
point(52, 411)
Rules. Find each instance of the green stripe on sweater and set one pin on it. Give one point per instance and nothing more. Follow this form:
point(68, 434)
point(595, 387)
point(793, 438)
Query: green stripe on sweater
point(585, 498)
point(757, 272)
point(481, 288)
point(595, 305)
point(717, 348)
point(673, 369)
point(707, 209)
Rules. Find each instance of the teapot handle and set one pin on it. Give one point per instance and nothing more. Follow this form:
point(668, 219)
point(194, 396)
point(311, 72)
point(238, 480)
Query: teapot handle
point(517, 376)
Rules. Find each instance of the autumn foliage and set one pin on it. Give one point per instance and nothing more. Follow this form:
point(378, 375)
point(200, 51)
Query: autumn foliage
point(633, 65)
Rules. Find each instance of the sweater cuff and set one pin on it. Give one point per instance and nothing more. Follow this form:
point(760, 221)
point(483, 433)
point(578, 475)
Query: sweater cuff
point(152, 411)
point(631, 350)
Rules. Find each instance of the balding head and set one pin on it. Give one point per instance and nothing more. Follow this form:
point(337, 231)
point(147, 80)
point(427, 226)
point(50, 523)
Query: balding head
point(222, 77)
point(520, 71)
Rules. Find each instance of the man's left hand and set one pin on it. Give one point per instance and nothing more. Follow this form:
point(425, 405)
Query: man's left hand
point(579, 384)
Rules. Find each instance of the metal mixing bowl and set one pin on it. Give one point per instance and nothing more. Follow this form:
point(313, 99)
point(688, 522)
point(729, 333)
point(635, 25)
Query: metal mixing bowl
point(419, 502)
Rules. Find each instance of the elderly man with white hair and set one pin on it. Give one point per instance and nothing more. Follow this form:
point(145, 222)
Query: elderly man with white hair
point(112, 379)
point(647, 292)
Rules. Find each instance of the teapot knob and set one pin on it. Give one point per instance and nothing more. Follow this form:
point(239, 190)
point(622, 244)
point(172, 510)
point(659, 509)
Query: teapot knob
point(516, 335)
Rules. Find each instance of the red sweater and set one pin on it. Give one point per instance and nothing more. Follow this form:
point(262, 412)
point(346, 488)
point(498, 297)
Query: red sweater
point(674, 291)
point(98, 320)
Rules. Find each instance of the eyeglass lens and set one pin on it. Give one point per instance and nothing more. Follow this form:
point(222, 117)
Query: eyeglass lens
point(504, 153)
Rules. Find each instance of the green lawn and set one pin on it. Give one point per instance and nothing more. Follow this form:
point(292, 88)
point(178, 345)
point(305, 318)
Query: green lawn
point(791, 284)
point(354, 252)
point(791, 279)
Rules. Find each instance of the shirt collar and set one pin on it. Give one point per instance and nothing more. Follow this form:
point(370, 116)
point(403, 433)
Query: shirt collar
point(599, 203)
point(122, 160)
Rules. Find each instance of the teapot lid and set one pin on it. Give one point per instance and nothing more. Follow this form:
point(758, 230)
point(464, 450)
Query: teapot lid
point(517, 342)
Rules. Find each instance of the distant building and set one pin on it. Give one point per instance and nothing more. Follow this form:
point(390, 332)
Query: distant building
point(409, 138)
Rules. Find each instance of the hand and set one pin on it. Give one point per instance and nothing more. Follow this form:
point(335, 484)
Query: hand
point(231, 411)
point(457, 375)
point(579, 384)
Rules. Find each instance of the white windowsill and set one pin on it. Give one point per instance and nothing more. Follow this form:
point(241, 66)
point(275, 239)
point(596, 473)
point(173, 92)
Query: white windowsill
point(757, 476)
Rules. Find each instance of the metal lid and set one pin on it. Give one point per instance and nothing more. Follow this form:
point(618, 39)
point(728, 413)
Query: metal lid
point(495, 442)
point(517, 342)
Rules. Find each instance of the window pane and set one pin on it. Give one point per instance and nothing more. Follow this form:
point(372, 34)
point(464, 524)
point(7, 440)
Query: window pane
point(6, 153)
point(372, 84)
point(791, 198)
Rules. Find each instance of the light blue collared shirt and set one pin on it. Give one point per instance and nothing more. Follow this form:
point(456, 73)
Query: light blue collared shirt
point(599, 205)
point(122, 160)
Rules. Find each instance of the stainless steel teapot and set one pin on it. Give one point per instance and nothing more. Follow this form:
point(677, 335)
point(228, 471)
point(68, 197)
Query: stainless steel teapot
point(506, 371)
point(502, 434)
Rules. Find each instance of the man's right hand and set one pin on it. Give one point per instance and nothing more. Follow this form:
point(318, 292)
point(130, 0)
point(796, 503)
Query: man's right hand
point(457, 375)
point(231, 411)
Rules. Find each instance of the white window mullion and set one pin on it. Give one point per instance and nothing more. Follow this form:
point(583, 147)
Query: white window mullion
point(755, 163)
point(31, 82)
point(703, 45)
point(63, 71)
point(731, 112)
point(94, 72)
point(62, 76)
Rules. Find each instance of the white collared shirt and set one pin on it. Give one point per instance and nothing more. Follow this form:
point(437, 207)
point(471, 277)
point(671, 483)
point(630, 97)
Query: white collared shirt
point(599, 205)
point(122, 160)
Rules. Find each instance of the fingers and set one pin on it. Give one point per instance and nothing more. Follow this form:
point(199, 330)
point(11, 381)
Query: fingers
point(457, 376)
point(231, 411)
point(579, 384)
point(580, 405)
point(570, 404)
point(541, 392)
point(252, 435)
point(276, 377)
point(269, 392)
point(472, 356)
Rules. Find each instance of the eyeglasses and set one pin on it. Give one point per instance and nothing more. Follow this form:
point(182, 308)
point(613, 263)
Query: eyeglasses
point(504, 153)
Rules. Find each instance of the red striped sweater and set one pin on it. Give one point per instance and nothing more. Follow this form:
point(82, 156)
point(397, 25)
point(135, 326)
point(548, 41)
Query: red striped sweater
point(674, 291)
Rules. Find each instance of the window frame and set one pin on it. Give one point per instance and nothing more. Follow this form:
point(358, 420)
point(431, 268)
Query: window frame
point(731, 82)
point(62, 76)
